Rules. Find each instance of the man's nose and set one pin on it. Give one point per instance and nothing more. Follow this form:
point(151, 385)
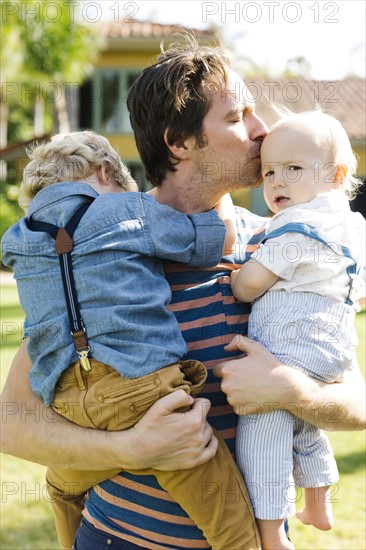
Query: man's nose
point(257, 129)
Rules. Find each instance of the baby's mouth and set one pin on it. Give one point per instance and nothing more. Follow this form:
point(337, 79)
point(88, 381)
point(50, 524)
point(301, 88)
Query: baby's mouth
point(281, 200)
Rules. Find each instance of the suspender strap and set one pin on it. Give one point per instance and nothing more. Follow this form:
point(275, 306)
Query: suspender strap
point(310, 231)
point(64, 245)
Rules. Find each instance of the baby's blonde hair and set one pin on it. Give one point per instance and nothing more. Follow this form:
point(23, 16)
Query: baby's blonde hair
point(330, 133)
point(71, 157)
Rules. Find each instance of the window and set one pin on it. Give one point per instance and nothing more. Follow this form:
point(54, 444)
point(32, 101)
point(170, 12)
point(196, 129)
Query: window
point(109, 99)
point(85, 102)
point(110, 114)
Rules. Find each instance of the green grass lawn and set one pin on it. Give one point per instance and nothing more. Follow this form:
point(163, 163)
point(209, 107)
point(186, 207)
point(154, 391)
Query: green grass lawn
point(26, 518)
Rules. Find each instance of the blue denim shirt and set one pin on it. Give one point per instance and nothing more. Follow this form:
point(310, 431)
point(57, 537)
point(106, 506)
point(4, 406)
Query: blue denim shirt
point(120, 282)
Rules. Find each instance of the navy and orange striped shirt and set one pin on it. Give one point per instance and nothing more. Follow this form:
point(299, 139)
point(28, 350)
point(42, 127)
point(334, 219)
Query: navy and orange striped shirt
point(135, 508)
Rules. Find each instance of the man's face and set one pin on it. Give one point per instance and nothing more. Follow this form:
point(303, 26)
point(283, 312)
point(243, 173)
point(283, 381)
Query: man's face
point(233, 134)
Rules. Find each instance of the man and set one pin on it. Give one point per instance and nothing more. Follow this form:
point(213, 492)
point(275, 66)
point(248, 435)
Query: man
point(198, 138)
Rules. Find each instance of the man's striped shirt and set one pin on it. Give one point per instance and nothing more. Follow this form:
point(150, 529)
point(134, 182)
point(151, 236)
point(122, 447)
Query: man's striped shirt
point(135, 508)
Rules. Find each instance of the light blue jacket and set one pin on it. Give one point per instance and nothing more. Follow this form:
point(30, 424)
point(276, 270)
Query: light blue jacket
point(120, 283)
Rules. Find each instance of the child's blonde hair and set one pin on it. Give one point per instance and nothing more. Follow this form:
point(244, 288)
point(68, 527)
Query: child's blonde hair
point(71, 157)
point(330, 133)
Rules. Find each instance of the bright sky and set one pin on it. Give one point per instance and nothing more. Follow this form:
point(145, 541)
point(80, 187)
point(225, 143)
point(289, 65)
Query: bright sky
point(330, 35)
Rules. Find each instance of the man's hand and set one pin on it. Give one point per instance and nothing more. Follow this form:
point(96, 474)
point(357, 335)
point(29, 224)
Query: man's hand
point(257, 383)
point(162, 439)
point(175, 440)
point(260, 383)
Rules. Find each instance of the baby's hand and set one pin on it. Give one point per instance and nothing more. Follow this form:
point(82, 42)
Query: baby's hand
point(226, 211)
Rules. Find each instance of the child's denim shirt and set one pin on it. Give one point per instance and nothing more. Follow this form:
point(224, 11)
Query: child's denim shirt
point(120, 283)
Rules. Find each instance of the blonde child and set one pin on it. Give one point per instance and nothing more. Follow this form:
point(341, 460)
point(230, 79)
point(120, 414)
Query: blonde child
point(103, 360)
point(305, 280)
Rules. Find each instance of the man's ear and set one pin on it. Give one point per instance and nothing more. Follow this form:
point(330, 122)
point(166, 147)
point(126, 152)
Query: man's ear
point(180, 149)
point(340, 176)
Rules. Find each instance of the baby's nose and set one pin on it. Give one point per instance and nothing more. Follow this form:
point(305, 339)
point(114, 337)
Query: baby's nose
point(278, 183)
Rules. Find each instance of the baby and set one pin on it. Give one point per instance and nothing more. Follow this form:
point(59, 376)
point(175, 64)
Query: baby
point(305, 280)
point(103, 344)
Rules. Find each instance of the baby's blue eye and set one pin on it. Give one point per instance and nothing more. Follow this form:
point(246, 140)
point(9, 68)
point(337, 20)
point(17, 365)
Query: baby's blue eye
point(293, 167)
point(269, 173)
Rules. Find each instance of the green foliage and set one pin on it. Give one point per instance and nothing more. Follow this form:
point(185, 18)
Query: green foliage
point(11, 51)
point(57, 46)
point(41, 47)
point(20, 122)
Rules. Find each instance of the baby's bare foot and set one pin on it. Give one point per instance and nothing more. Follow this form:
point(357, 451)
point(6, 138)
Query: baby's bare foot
point(323, 521)
point(318, 509)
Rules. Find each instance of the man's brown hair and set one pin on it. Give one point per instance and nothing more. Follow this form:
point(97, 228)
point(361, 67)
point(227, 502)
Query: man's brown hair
point(174, 94)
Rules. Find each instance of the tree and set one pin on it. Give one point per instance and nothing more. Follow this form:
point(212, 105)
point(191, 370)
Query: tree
point(11, 61)
point(57, 50)
point(44, 46)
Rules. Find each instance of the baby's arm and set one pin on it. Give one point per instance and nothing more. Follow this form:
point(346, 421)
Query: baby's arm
point(251, 281)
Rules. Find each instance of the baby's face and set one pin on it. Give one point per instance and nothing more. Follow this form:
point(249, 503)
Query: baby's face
point(295, 167)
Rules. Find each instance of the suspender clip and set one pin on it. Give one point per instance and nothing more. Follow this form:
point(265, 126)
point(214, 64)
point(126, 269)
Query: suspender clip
point(84, 360)
point(82, 348)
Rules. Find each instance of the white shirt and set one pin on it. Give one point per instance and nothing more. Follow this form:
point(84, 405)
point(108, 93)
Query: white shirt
point(303, 263)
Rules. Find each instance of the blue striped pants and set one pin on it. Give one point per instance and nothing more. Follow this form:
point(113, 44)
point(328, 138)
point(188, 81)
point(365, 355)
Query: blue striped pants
point(277, 451)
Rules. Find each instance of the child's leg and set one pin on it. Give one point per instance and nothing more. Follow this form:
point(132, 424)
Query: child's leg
point(264, 456)
point(318, 508)
point(67, 490)
point(213, 494)
point(215, 497)
point(314, 465)
point(273, 536)
point(100, 399)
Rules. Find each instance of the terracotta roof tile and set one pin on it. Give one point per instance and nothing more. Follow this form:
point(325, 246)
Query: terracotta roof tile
point(343, 99)
point(143, 29)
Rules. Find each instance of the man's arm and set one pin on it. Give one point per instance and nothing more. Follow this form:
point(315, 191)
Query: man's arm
point(163, 439)
point(259, 383)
